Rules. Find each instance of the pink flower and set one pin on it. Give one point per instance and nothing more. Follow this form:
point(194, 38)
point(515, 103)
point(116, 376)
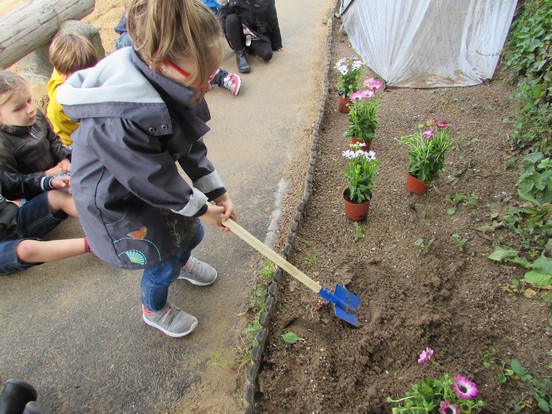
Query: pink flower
point(358, 96)
point(447, 408)
point(355, 96)
point(426, 355)
point(373, 84)
point(439, 124)
point(464, 388)
point(427, 134)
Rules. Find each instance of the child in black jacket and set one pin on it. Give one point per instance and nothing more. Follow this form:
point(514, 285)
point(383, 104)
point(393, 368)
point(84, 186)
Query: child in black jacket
point(21, 227)
point(251, 26)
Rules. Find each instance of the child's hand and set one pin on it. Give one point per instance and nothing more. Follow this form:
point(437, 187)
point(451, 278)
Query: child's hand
point(61, 183)
point(53, 171)
point(229, 212)
point(213, 216)
point(65, 166)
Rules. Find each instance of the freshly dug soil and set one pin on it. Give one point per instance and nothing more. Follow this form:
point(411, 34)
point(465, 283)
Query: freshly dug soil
point(417, 287)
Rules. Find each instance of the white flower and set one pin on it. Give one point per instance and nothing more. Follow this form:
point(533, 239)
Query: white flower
point(357, 64)
point(349, 154)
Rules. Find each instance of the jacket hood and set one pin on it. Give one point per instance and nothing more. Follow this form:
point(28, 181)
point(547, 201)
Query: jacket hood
point(120, 85)
point(119, 80)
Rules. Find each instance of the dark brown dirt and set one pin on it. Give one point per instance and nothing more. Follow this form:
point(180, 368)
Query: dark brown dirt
point(412, 296)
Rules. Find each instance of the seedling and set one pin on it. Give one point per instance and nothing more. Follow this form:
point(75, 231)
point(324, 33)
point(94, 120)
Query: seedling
point(291, 338)
point(359, 234)
point(217, 360)
point(422, 245)
point(311, 258)
point(460, 199)
point(460, 242)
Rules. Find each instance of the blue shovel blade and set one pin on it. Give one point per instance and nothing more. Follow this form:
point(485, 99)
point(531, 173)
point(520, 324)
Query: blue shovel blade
point(345, 303)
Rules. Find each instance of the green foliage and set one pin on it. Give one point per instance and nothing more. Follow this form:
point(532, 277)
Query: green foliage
point(427, 395)
point(217, 360)
point(422, 245)
point(539, 274)
point(528, 60)
point(535, 182)
point(257, 301)
point(460, 199)
point(460, 242)
point(359, 234)
point(311, 258)
point(360, 173)
point(532, 221)
point(268, 269)
point(426, 151)
point(363, 120)
point(533, 123)
point(538, 392)
point(291, 338)
point(528, 53)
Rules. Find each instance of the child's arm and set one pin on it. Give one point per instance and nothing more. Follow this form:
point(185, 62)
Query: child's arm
point(204, 176)
point(59, 168)
point(16, 185)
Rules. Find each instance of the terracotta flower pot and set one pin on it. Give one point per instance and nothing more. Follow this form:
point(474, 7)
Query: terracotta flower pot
point(355, 211)
point(364, 145)
point(342, 104)
point(414, 185)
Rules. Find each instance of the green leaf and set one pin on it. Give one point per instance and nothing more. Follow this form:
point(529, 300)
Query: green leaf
point(543, 265)
point(537, 278)
point(543, 405)
point(451, 211)
point(517, 367)
point(501, 253)
point(291, 338)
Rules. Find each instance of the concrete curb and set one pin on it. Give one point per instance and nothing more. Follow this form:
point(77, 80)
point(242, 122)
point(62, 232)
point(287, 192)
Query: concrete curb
point(253, 369)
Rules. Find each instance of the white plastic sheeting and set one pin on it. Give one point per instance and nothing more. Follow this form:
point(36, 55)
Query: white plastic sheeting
point(429, 43)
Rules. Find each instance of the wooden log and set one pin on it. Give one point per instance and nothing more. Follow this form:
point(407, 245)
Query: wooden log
point(33, 25)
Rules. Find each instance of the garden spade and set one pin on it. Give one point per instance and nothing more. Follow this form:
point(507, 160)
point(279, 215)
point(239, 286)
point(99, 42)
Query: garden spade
point(344, 302)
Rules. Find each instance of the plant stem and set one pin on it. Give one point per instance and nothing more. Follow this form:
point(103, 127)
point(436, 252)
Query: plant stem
point(389, 399)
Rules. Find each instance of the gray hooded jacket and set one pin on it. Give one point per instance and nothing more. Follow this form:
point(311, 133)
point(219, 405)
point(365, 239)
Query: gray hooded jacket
point(135, 207)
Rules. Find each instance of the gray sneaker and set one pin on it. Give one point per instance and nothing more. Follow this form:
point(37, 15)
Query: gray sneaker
point(198, 272)
point(170, 320)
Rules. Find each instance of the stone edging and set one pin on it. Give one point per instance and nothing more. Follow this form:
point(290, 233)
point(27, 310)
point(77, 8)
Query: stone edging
point(257, 352)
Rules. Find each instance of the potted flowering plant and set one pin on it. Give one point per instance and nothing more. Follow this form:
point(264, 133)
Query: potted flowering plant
point(360, 173)
point(426, 153)
point(362, 114)
point(348, 82)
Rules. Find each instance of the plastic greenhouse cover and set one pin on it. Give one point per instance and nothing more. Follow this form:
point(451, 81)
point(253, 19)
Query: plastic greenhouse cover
point(429, 43)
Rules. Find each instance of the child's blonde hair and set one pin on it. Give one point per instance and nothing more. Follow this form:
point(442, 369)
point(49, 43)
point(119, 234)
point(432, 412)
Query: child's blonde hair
point(10, 84)
point(70, 52)
point(169, 29)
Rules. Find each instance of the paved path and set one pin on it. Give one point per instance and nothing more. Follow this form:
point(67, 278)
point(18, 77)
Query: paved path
point(73, 329)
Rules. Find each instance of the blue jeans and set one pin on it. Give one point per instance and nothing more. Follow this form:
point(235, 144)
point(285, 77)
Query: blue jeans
point(34, 221)
point(157, 279)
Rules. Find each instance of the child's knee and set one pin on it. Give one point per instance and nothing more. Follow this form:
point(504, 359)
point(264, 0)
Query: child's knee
point(265, 55)
point(25, 250)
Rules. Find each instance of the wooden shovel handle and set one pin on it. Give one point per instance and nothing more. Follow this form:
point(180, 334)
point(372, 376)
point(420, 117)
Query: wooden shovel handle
point(272, 255)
